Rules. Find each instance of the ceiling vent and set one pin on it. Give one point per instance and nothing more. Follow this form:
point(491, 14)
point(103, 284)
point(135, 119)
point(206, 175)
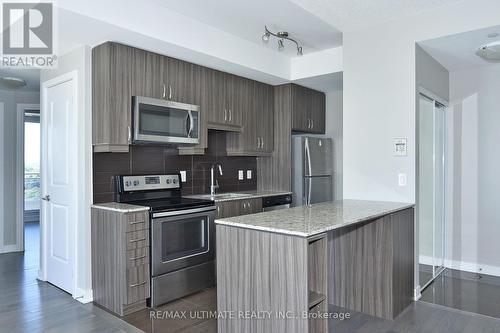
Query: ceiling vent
point(490, 52)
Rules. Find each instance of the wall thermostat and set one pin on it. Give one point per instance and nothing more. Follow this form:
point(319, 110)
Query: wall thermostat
point(400, 148)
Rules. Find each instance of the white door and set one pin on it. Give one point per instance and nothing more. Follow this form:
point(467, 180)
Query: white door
point(58, 118)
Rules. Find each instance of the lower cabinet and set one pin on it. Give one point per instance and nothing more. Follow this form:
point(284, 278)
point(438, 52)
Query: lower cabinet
point(232, 208)
point(120, 260)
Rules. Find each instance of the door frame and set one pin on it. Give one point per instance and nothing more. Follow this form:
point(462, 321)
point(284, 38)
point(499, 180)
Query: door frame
point(20, 110)
point(42, 273)
point(427, 93)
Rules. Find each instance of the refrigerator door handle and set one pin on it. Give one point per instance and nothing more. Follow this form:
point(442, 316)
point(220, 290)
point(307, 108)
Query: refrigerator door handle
point(309, 190)
point(308, 158)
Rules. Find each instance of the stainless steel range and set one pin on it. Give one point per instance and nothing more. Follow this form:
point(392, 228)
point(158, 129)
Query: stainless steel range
point(182, 235)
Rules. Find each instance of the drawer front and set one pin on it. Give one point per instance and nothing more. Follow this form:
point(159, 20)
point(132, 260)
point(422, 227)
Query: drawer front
point(138, 282)
point(137, 257)
point(137, 239)
point(137, 221)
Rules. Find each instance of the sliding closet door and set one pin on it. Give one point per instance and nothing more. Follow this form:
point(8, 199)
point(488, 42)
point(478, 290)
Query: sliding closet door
point(431, 139)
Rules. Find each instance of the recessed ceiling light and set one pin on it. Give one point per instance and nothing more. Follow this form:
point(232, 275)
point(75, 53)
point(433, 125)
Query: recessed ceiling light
point(12, 82)
point(490, 52)
point(493, 35)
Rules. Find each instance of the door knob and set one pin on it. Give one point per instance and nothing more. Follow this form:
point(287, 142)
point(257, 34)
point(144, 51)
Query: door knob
point(46, 198)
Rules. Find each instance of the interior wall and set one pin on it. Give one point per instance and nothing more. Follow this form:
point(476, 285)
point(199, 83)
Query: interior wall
point(8, 136)
point(472, 245)
point(379, 95)
point(334, 114)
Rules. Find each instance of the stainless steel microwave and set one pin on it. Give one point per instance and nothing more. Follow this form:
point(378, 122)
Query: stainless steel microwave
point(160, 121)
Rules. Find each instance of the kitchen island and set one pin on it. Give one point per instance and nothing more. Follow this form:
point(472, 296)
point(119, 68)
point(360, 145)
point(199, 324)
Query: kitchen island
point(278, 271)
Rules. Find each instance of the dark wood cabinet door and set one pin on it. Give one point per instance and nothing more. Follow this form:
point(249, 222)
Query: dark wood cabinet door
point(226, 209)
point(214, 86)
point(178, 77)
point(300, 116)
point(265, 118)
point(318, 112)
point(147, 74)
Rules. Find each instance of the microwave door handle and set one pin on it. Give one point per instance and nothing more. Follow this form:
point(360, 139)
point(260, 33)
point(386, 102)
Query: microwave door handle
point(191, 122)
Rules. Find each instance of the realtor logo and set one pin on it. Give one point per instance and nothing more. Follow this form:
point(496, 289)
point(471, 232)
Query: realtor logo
point(28, 34)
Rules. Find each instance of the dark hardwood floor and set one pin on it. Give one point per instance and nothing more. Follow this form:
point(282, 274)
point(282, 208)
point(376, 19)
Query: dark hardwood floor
point(28, 305)
point(472, 292)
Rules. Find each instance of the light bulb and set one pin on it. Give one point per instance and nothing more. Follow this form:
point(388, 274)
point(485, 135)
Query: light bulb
point(265, 37)
point(299, 51)
point(281, 46)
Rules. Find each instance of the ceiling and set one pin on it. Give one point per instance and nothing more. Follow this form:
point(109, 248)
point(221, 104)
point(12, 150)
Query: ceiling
point(31, 76)
point(246, 19)
point(349, 15)
point(325, 83)
point(457, 52)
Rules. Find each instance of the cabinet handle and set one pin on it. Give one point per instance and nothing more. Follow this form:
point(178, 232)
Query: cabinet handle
point(137, 240)
point(164, 95)
point(230, 115)
point(169, 92)
point(137, 258)
point(308, 123)
point(225, 115)
point(262, 143)
point(312, 123)
point(129, 134)
point(138, 284)
point(258, 142)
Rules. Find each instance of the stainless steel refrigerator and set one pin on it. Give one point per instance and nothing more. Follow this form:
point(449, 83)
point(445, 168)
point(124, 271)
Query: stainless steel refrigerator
point(312, 170)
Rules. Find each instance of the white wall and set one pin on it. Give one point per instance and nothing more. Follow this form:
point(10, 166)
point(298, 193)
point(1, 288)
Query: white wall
point(379, 95)
point(80, 60)
point(8, 138)
point(334, 111)
point(473, 226)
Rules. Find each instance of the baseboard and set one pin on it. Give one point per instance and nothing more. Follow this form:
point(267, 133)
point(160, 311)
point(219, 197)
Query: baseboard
point(464, 266)
point(83, 296)
point(10, 248)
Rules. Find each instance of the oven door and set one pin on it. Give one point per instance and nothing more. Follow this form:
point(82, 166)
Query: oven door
point(160, 121)
point(182, 239)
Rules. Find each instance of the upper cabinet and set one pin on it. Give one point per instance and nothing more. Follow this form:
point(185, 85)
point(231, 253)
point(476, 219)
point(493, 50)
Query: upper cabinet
point(308, 110)
point(255, 100)
point(112, 78)
point(223, 111)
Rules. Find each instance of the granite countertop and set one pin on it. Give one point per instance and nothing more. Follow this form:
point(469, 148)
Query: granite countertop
point(241, 195)
point(120, 207)
point(318, 218)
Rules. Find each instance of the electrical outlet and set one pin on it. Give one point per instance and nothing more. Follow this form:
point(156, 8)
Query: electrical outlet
point(249, 174)
point(183, 176)
point(240, 175)
point(402, 179)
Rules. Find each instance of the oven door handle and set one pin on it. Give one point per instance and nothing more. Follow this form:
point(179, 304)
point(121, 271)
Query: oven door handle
point(183, 212)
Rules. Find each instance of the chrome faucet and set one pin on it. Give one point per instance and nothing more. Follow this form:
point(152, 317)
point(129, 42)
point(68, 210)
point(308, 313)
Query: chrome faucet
point(214, 183)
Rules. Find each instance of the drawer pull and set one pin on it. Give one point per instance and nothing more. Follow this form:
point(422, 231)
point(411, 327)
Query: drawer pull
point(137, 258)
point(137, 240)
point(138, 284)
point(136, 222)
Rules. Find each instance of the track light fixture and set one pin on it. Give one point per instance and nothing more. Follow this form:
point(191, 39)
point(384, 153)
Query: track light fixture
point(282, 35)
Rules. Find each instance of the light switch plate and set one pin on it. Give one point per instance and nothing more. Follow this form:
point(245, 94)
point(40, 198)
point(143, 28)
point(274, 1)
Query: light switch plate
point(400, 147)
point(249, 174)
point(240, 175)
point(183, 176)
point(402, 179)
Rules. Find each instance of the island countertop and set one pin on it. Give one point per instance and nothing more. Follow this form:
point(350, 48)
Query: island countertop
point(315, 219)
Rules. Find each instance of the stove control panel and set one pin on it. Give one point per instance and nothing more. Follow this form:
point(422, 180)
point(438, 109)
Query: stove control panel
point(150, 182)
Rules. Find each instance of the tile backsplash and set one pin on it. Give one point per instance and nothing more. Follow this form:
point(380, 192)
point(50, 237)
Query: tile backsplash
point(158, 160)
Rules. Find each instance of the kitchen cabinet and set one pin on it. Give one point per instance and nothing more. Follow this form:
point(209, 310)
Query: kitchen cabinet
point(223, 114)
point(308, 110)
point(226, 209)
point(120, 260)
point(257, 137)
point(112, 66)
